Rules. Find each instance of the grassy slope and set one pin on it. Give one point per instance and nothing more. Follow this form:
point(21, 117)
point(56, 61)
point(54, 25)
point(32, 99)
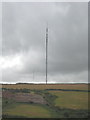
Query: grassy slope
point(65, 99)
point(27, 110)
point(73, 100)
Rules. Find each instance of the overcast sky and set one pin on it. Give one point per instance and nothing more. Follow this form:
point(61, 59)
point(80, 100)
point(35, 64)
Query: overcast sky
point(23, 45)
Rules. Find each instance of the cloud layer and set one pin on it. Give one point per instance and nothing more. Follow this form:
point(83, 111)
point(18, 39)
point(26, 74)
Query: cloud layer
point(23, 32)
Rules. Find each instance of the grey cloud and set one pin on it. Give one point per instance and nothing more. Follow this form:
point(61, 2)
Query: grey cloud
point(24, 30)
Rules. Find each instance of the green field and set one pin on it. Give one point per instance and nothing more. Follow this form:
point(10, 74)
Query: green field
point(57, 103)
point(72, 100)
point(27, 110)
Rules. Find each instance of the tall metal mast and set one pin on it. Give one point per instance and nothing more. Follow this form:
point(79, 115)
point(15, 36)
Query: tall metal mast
point(46, 52)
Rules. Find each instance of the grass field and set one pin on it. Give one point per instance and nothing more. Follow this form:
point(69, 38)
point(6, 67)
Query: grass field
point(73, 100)
point(27, 110)
point(58, 103)
point(48, 86)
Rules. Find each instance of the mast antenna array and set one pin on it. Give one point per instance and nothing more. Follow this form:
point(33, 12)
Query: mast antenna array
point(46, 52)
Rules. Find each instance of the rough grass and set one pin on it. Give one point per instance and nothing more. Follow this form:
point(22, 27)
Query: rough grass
point(61, 104)
point(48, 86)
point(72, 100)
point(27, 110)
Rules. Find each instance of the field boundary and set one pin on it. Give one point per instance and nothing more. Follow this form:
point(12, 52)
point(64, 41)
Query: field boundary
point(67, 90)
